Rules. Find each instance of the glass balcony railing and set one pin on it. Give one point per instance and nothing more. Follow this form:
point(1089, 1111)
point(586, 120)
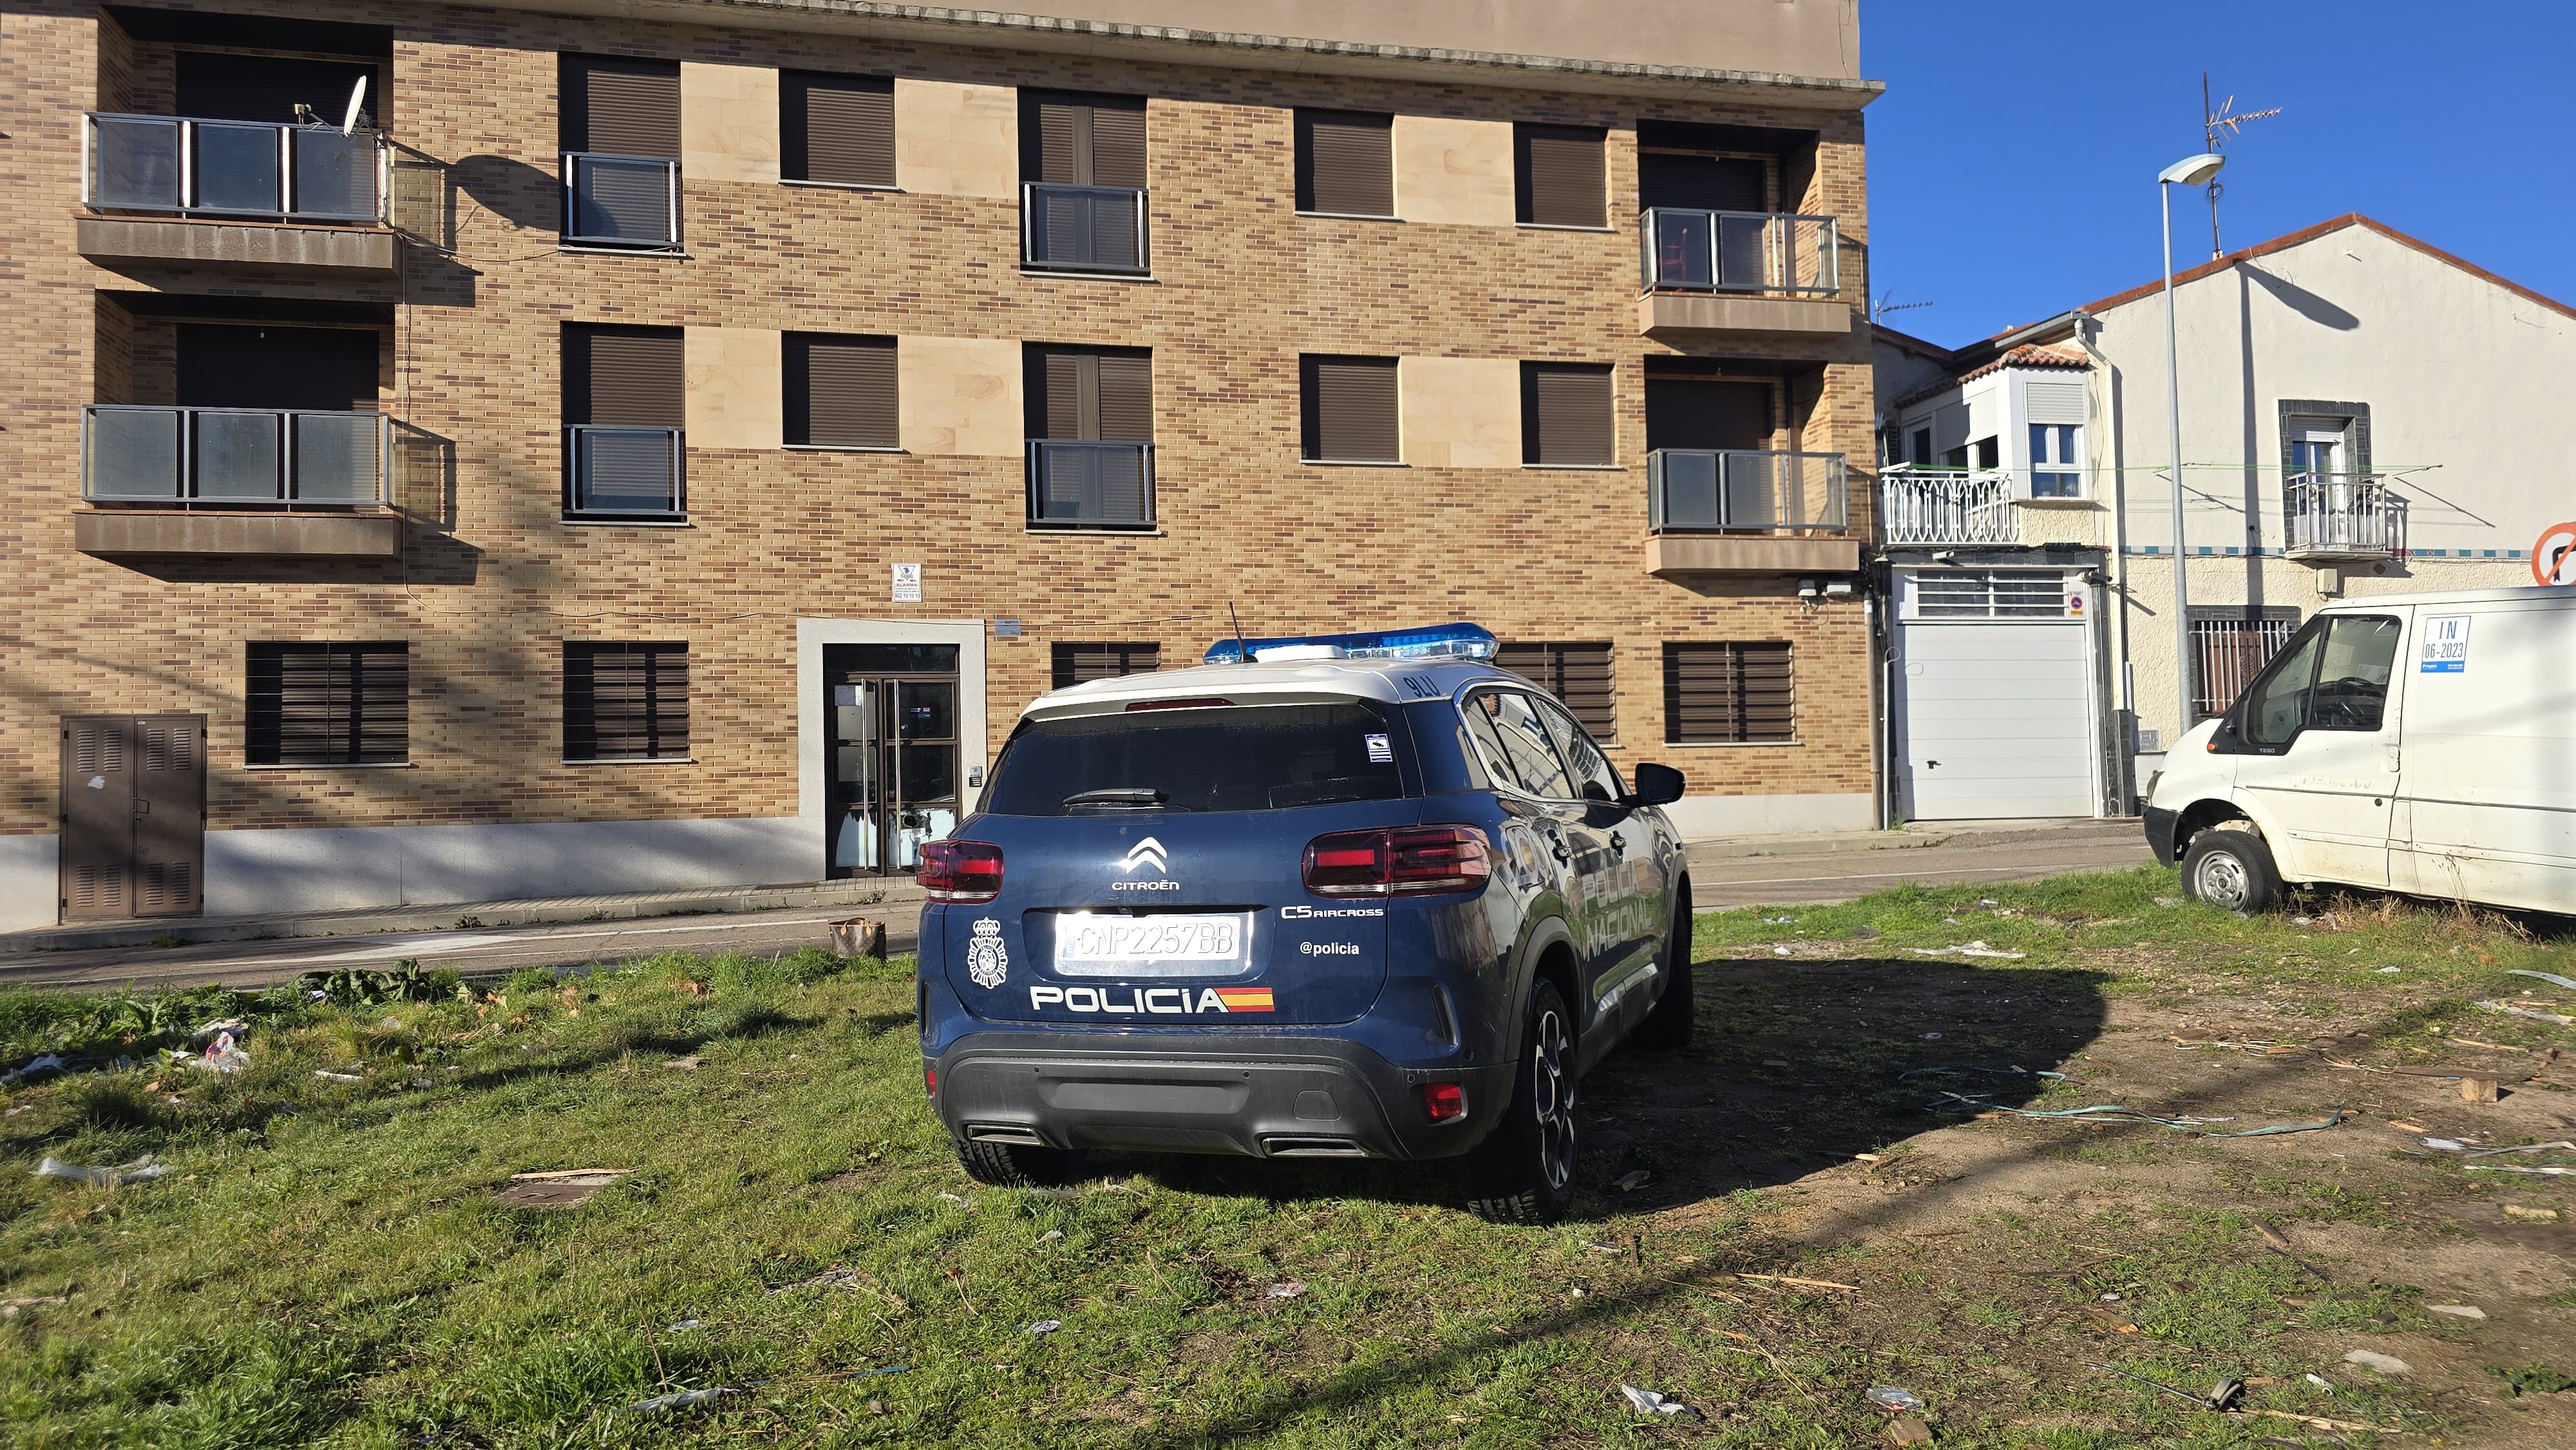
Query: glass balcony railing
point(621, 201)
point(184, 166)
point(624, 472)
point(233, 457)
point(1741, 251)
point(1082, 228)
point(1084, 484)
point(1695, 490)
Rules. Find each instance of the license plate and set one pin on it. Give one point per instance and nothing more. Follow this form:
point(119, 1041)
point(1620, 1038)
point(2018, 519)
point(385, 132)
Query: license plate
point(1108, 944)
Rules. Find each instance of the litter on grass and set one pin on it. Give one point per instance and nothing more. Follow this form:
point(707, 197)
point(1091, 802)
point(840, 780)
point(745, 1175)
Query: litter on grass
point(2373, 1359)
point(2552, 978)
point(2320, 1381)
point(2563, 1021)
point(1648, 1402)
point(681, 1401)
point(1967, 949)
point(1632, 1180)
point(1893, 1401)
point(2118, 1113)
point(1046, 1326)
point(2220, 1396)
point(224, 1054)
point(141, 1170)
point(338, 1076)
point(40, 1065)
point(685, 1324)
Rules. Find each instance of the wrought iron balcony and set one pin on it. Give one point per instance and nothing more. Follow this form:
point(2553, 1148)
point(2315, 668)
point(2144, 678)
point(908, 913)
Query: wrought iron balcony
point(1739, 251)
point(233, 457)
point(1088, 484)
point(1082, 228)
point(624, 473)
point(621, 201)
point(1730, 491)
point(1945, 506)
point(183, 166)
point(2339, 516)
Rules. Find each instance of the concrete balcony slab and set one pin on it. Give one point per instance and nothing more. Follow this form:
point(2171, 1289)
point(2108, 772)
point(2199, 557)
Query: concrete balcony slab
point(364, 250)
point(1669, 555)
point(122, 533)
point(1689, 314)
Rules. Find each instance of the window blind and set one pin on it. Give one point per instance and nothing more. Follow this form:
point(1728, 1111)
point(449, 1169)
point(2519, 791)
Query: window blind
point(836, 128)
point(329, 704)
point(1560, 175)
point(1728, 693)
point(1079, 663)
point(840, 391)
point(1566, 415)
point(626, 701)
point(1576, 674)
point(1346, 163)
point(1350, 410)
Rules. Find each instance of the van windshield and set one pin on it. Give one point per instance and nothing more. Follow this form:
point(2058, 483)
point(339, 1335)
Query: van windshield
point(1231, 758)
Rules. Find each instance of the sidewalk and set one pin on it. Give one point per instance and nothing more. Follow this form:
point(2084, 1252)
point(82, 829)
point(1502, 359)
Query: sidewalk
point(1919, 835)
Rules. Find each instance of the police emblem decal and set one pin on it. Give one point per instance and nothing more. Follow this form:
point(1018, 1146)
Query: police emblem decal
point(987, 961)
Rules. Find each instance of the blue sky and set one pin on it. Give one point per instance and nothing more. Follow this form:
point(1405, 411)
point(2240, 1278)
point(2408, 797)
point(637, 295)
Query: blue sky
point(2013, 159)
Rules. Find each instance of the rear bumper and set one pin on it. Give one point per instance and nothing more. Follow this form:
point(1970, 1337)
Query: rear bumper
point(1273, 1097)
point(2160, 833)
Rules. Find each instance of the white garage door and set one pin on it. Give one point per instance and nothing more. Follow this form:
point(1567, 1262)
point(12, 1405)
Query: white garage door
point(1996, 720)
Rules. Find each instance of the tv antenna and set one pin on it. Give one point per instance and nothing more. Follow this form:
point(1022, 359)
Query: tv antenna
point(1878, 310)
point(2214, 119)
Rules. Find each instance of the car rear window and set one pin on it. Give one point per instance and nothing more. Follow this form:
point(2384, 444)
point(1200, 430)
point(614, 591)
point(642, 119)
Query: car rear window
point(1235, 758)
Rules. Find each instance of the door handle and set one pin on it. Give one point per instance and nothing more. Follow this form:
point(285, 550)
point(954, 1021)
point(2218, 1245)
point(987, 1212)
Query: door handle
point(143, 807)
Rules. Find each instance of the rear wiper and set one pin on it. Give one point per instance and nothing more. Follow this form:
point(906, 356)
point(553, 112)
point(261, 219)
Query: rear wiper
point(1121, 795)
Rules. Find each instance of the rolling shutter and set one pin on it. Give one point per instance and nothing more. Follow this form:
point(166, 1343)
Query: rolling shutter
point(1561, 180)
point(613, 106)
point(1728, 693)
point(836, 128)
point(1126, 393)
point(631, 376)
point(1351, 410)
point(1086, 140)
point(1345, 163)
point(329, 704)
point(1078, 663)
point(626, 701)
point(1576, 674)
point(840, 391)
point(1084, 393)
point(1565, 415)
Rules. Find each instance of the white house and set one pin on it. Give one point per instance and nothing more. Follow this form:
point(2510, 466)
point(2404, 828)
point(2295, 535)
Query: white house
point(2358, 411)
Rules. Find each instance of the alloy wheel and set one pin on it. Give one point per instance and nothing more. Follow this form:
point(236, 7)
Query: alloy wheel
point(1552, 1100)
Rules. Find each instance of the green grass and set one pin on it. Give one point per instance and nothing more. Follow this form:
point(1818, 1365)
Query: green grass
point(329, 1265)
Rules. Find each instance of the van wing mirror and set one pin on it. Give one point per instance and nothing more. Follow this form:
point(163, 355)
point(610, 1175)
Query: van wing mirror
point(1657, 785)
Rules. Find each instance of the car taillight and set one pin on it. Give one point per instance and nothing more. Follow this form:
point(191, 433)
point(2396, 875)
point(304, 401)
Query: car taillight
point(1442, 1101)
point(1400, 861)
point(966, 871)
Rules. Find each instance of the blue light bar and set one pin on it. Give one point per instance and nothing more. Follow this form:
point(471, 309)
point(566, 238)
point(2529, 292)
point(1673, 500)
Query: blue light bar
point(1445, 641)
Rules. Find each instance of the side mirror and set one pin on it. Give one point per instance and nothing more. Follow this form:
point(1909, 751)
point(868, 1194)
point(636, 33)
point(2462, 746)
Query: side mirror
point(1657, 785)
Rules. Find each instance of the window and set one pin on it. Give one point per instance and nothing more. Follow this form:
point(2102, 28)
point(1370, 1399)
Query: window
point(2352, 672)
point(1080, 663)
point(623, 404)
point(626, 701)
point(1578, 674)
point(2228, 649)
point(329, 704)
point(2324, 437)
point(1566, 417)
point(2056, 452)
point(1989, 452)
point(1091, 429)
point(1350, 410)
point(1593, 777)
point(2277, 706)
point(1728, 694)
point(1345, 163)
point(836, 129)
point(840, 391)
point(1559, 175)
point(1509, 732)
point(1923, 447)
point(1989, 594)
point(620, 131)
point(1082, 165)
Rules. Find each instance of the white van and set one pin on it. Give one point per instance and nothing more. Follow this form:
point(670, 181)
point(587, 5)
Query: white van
point(2422, 743)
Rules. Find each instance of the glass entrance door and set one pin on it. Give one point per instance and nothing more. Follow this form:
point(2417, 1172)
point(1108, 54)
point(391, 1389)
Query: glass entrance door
point(892, 713)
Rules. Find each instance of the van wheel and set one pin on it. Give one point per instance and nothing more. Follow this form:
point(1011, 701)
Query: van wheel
point(1016, 1165)
point(2230, 867)
point(1524, 1170)
point(1668, 1026)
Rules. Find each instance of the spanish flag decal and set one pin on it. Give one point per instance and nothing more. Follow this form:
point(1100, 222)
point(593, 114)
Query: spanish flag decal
point(1246, 999)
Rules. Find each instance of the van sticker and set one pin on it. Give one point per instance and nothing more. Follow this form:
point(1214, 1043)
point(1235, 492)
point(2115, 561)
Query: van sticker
point(1378, 751)
point(2446, 645)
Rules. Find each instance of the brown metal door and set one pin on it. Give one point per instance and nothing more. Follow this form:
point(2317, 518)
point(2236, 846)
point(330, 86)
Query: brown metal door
point(133, 816)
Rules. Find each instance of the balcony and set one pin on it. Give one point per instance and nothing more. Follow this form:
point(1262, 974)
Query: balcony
point(235, 481)
point(627, 203)
point(1066, 228)
point(1733, 511)
point(2332, 516)
point(241, 192)
point(623, 474)
point(1726, 272)
point(1090, 484)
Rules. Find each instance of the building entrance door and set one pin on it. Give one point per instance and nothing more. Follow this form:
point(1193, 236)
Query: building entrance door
point(133, 816)
point(892, 713)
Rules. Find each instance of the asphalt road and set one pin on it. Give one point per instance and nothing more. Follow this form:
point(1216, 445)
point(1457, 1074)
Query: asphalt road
point(1720, 881)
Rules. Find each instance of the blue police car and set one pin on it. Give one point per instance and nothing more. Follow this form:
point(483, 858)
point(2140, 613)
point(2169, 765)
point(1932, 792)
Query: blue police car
point(1351, 896)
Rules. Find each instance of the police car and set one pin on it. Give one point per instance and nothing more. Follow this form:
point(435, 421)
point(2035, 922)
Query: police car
point(1349, 896)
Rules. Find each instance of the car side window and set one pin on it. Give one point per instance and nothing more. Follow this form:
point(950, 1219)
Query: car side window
point(1590, 766)
point(2277, 705)
point(1479, 715)
point(1524, 738)
point(2352, 672)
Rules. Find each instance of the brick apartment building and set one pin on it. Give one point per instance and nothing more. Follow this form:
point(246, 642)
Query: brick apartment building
point(467, 452)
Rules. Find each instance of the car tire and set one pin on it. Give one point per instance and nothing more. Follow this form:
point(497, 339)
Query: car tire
point(2229, 867)
point(1668, 1026)
point(1017, 1165)
point(1524, 1170)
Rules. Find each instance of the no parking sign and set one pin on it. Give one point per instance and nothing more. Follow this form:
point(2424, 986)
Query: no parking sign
point(2553, 555)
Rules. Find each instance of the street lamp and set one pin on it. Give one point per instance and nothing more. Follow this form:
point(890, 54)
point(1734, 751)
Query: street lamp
point(2190, 171)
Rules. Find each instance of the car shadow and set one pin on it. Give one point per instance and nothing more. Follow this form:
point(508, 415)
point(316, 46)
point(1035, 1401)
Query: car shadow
point(1797, 1064)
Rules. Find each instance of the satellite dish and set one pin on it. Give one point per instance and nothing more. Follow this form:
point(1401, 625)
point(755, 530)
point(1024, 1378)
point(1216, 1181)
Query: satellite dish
point(349, 118)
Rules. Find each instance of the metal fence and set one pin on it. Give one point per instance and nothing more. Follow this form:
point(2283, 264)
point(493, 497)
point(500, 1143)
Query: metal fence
point(621, 201)
point(1691, 490)
point(1087, 484)
point(1741, 251)
point(232, 457)
point(1943, 506)
point(186, 166)
point(1082, 228)
point(624, 472)
point(2338, 514)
